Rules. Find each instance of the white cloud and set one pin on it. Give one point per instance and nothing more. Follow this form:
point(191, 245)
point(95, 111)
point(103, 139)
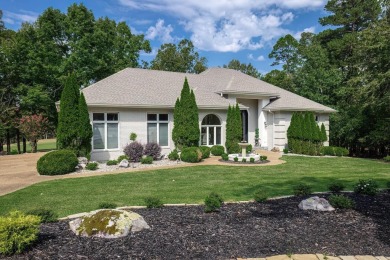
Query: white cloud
point(259, 58)
point(297, 35)
point(228, 25)
point(23, 16)
point(160, 31)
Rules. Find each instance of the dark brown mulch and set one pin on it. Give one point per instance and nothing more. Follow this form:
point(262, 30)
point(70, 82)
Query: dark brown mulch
point(247, 162)
point(238, 230)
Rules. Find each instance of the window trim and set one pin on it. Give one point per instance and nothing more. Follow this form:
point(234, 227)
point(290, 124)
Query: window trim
point(105, 122)
point(207, 131)
point(158, 121)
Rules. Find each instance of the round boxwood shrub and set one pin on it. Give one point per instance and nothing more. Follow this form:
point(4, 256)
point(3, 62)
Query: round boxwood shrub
point(57, 163)
point(217, 150)
point(191, 154)
point(174, 155)
point(341, 202)
point(213, 202)
point(225, 157)
point(205, 151)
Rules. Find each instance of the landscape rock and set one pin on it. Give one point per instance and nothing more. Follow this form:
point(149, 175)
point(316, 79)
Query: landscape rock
point(108, 223)
point(82, 160)
point(124, 163)
point(315, 203)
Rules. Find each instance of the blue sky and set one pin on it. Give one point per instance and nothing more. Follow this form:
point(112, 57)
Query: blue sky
point(221, 30)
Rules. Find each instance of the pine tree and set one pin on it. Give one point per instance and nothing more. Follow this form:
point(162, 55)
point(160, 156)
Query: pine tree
point(85, 128)
point(185, 131)
point(68, 118)
point(324, 138)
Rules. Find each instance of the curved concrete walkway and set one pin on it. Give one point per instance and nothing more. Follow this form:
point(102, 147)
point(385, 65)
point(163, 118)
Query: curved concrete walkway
point(319, 257)
point(19, 171)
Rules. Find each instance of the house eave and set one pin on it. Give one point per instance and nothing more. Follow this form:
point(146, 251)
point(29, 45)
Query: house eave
point(293, 109)
point(149, 106)
point(249, 93)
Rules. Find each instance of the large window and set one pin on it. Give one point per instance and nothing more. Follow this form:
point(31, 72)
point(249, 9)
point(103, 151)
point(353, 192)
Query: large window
point(211, 130)
point(105, 131)
point(158, 129)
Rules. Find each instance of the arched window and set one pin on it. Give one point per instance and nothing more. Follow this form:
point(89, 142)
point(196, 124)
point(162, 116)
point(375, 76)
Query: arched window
point(211, 130)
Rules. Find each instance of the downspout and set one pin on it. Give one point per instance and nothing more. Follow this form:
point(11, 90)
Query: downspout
point(273, 128)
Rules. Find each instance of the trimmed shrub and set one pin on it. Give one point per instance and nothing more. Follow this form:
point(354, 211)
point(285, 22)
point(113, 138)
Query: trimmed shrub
point(387, 158)
point(46, 215)
point(133, 136)
point(57, 163)
point(134, 151)
point(213, 202)
point(249, 148)
point(252, 160)
point(341, 202)
point(302, 190)
point(147, 160)
point(17, 232)
point(153, 150)
point(153, 202)
point(235, 159)
point(107, 205)
point(243, 160)
point(217, 150)
point(336, 187)
point(285, 151)
point(260, 195)
point(263, 158)
point(334, 151)
point(92, 166)
point(366, 187)
point(205, 151)
point(122, 157)
point(112, 162)
point(191, 155)
point(225, 157)
point(174, 155)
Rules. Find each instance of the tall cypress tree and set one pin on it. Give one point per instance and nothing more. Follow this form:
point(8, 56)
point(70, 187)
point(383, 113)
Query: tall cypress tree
point(68, 118)
point(85, 128)
point(324, 138)
point(233, 129)
point(185, 131)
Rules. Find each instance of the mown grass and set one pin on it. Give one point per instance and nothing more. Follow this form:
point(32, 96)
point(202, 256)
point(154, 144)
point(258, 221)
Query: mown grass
point(43, 146)
point(193, 184)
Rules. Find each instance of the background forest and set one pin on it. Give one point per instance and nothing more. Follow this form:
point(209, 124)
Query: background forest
point(346, 66)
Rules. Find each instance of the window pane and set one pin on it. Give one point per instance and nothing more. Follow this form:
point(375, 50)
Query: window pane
point(211, 135)
point(152, 133)
point(163, 117)
point(112, 136)
point(218, 137)
point(163, 134)
point(211, 120)
point(98, 136)
point(112, 117)
point(98, 116)
point(203, 135)
point(152, 117)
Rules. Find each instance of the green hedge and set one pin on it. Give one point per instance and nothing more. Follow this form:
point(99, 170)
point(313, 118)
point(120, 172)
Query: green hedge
point(191, 154)
point(334, 151)
point(57, 163)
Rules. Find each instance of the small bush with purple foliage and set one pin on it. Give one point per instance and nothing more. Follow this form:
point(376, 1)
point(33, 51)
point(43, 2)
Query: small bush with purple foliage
point(153, 150)
point(134, 151)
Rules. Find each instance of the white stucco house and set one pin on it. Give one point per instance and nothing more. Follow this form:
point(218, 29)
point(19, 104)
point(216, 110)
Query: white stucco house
point(142, 101)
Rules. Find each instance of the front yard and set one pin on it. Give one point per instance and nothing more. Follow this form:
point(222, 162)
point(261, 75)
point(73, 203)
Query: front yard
point(193, 184)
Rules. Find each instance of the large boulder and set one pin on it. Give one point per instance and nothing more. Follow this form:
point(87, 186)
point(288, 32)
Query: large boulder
point(108, 223)
point(315, 203)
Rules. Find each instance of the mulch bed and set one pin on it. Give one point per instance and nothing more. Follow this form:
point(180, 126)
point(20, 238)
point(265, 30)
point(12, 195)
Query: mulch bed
point(247, 162)
point(238, 230)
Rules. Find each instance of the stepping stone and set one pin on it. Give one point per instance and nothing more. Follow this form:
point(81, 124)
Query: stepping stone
point(365, 257)
point(278, 257)
point(304, 257)
point(322, 257)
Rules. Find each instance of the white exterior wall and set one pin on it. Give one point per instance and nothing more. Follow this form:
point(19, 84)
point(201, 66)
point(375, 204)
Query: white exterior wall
point(262, 122)
point(252, 117)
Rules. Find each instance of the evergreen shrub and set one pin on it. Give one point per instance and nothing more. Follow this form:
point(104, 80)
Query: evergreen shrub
point(46, 215)
point(205, 151)
point(387, 158)
point(249, 148)
point(57, 163)
point(213, 202)
point(235, 159)
point(147, 160)
point(341, 202)
point(263, 158)
point(153, 150)
point(107, 205)
point(336, 187)
point(134, 151)
point(366, 187)
point(191, 154)
point(252, 160)
point(302, 190)
point(153, 202)
point(225, 157)
point(112, 162)
point(122, 157)
point(217, 150)
point(17, 232)
point(334, 151)
point(233, 129)
point(260, 195)
point(174, 155)
point(92, 166)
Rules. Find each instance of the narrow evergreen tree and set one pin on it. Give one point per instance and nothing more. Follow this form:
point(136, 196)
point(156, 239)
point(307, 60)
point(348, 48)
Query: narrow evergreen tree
point(324, 138)
point(68, 118)
point(233, 129)
point(85, 129)
point(185, 131)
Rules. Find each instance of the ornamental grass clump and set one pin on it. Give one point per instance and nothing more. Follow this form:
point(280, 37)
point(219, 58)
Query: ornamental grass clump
point(17, 232)
point(366, 187)
point(341, 202)
point(213, 202)
point(153, 202)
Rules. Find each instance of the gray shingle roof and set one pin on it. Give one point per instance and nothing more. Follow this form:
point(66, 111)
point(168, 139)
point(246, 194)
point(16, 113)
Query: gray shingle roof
point(134, 87)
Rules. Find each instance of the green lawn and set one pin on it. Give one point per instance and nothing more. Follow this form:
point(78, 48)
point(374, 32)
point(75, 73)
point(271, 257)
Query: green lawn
point(43, 145)
point(192, 184)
